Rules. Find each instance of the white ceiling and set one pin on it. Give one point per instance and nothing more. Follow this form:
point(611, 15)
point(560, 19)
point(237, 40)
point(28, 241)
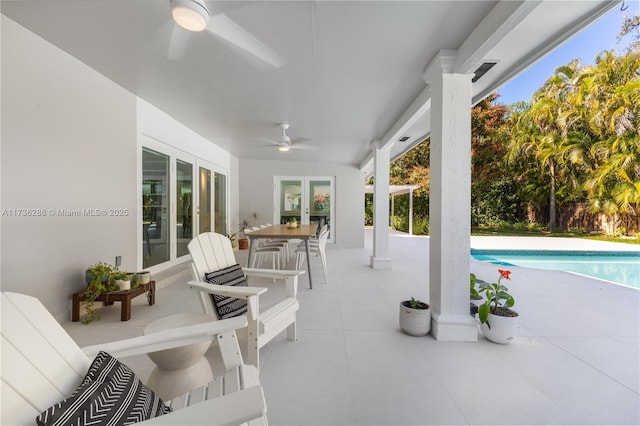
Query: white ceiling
point(350, 71)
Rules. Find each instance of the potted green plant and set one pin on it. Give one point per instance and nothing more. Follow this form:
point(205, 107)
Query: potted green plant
point(474, 295)
point(497, 321)
point(100, 278)
point(234, 239)
point(293, 223)
point(123, 280)
point(243, 241)
point(415, 317)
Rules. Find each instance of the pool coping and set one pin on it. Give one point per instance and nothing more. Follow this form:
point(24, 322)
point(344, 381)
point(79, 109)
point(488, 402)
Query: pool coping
point(548, 244)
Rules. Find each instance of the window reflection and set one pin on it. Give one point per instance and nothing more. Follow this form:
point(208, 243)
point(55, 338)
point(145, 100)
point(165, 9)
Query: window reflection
point(184, 204)
point(155, 207)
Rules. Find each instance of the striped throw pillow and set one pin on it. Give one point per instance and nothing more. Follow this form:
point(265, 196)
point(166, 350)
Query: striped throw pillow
point(109, 394)
point(228, 307)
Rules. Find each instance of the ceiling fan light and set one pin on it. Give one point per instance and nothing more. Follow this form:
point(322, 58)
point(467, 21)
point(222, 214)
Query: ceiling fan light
point(283, 148)
point(190, 14)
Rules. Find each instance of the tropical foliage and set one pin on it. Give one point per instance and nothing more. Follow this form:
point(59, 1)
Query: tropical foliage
point(576, 141)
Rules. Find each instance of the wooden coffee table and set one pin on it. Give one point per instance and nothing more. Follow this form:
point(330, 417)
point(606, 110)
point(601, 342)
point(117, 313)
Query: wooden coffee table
point(124, 297)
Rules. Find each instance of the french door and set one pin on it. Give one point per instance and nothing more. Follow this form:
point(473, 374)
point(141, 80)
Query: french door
point(309, 199)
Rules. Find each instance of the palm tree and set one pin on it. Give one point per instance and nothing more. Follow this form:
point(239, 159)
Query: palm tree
point(611, 93)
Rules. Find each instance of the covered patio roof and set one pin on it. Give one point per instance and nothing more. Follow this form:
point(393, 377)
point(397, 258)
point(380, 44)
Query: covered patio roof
point(341, 73)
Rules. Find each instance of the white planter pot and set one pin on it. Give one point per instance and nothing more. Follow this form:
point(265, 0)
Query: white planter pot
point(502, 330)
point(416, 322)
point(123, 284)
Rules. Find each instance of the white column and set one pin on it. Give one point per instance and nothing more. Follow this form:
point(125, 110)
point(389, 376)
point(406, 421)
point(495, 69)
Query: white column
point(450, 200)
point(380, 258)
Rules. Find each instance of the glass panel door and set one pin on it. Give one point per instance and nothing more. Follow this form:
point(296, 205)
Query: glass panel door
point(319, 202)
point(184, 206)
point(220, 204)
point(155, 208)
point(290, 196)
point(204, 201)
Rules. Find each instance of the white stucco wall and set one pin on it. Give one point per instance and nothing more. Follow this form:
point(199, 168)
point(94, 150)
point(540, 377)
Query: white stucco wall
point(68, 142)
point(72, 139)
point(257, 193)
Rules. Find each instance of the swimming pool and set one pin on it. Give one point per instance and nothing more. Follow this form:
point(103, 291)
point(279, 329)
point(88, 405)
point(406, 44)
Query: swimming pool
point(618, 267)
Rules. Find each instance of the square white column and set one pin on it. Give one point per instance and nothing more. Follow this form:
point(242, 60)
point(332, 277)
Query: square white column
point(380, 258)
point(450, 201)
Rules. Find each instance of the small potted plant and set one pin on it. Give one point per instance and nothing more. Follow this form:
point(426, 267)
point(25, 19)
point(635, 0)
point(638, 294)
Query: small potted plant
point(234, 239)
point(123, 280)
point(243, 241)
point(497, 321)
point(100, 278)
point(293, 223)
point(415, 317)
point(474, 295)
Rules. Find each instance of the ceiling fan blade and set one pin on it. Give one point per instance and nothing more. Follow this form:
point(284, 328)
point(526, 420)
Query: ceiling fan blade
point(178, 42)
point(303, 147)
point(222, 26)
point(301, 143)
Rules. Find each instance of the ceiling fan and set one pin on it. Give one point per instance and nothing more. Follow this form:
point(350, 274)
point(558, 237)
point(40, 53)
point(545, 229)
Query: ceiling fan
point(193, 16)
point(284, 143)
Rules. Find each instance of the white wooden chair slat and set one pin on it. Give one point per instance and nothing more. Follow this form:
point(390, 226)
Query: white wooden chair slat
point(21, 375)
point(20, 408)
point(231, 409)
point(198, 395)
point(35, 373)
point(36, 329)
point(211, 252)
point(232, 381)
point(38, 354)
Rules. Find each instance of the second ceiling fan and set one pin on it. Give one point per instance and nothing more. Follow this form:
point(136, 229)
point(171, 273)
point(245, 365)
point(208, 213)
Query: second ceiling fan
point(284, 143)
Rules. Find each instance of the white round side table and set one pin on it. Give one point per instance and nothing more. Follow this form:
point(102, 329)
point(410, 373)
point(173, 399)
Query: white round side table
point(182, 369)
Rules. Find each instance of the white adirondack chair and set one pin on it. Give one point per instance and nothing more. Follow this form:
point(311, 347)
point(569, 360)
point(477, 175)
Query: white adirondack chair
point(212, 252)
point(42, 365)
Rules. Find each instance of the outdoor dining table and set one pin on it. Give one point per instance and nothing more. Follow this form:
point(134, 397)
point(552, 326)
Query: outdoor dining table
point(301, 232)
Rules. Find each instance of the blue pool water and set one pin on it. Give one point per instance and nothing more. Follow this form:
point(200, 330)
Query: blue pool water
point(618, 267)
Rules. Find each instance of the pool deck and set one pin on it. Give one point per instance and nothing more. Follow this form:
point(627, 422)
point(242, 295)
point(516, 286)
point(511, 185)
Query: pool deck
point(575, 360)
point(549, 243)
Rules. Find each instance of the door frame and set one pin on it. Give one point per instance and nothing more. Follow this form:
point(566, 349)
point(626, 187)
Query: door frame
point(304, 207)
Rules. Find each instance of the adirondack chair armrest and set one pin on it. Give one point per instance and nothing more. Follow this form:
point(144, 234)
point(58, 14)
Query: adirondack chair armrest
point(226, 290)
point(271, 273)
point(167, 339)
point(290, 277)
point(231, 409)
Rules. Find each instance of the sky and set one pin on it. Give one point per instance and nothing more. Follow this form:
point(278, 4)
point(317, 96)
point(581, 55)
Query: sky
point(597, 37)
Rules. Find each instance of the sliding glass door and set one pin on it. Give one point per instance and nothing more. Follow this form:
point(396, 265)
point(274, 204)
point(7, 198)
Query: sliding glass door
point(205, 201)
point(184, 206)
point(220, 204)
point(181, 197)
point(155, 207)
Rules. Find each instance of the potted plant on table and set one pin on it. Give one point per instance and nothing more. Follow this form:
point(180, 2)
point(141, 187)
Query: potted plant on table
point(123, 280)
point(497, 321)
point(415, 317)
point(100, 278)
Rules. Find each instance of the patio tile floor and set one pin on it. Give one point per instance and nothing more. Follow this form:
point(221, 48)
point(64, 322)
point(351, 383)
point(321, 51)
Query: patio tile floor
point(576, 359)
